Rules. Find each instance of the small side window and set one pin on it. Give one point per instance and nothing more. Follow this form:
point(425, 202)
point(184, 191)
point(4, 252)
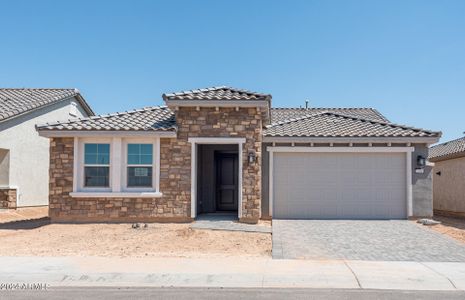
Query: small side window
point(97, 165)
point(140, 165)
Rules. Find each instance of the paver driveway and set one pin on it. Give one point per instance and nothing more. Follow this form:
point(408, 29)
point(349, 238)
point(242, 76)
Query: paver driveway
point(362, 240)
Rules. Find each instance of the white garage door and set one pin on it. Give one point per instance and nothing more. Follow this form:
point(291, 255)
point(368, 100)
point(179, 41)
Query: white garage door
point(339, 185)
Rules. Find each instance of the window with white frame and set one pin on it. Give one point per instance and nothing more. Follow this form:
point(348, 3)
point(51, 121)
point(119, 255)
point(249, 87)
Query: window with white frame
point(96, 165)
point(139, 165)
point(117, 165)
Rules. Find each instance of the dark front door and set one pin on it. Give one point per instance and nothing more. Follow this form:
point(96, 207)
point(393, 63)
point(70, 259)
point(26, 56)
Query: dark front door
point(226, 181)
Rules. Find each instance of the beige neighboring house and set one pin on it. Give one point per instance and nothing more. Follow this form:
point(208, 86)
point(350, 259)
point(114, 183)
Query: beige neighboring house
point(449, 177)
point(24, 155)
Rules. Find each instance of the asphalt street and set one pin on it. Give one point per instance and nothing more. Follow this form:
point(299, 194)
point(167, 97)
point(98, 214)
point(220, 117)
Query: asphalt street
point(86, 293)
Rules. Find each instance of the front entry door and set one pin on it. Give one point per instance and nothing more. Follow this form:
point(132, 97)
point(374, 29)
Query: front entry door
point(226, 181)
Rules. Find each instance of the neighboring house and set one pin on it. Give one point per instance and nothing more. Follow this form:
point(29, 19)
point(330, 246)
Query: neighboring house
point(449, 177)
point(24, 155)
point(223, 149)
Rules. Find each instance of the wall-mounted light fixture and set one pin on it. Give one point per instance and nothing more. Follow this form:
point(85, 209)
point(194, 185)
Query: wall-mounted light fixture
point(252, 157)
point(421, 161)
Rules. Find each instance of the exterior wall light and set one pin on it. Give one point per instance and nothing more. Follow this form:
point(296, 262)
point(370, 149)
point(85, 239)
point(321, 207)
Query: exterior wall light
point(421, 161)
point(252, 157)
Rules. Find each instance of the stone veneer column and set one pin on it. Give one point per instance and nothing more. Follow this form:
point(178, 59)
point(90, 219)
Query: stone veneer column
point(224, 122)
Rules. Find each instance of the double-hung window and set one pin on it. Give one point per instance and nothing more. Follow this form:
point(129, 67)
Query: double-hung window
point(96, 165)
point(140, 165)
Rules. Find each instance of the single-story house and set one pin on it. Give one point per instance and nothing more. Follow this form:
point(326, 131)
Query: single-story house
point(449, 177)
point(24, 155)
point(223, 149)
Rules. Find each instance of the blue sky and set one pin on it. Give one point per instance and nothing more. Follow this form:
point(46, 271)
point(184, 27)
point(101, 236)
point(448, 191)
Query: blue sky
point(405, 58)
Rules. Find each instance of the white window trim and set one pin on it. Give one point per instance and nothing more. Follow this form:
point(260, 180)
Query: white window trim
point(118, 168)
point(213, 140)
point(408, 166)
point(155, 165)
point(81, 165)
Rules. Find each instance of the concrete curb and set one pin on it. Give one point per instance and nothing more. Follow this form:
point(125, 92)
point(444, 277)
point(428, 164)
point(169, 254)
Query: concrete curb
point(232, 272)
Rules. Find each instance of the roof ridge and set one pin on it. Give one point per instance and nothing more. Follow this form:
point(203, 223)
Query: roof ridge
point(448, 142)
point(213, 88)
point(70, 121)
point(388, 124)
point(325, 108)
point(292, 120)
point(354, 118)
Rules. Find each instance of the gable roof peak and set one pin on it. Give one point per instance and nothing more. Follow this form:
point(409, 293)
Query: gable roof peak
point(216, 93)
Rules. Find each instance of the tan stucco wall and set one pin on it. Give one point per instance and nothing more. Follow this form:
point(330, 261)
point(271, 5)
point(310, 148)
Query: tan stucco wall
point(449, 187)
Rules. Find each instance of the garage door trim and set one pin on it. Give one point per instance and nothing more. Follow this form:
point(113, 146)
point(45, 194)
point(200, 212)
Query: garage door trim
point(408, 156)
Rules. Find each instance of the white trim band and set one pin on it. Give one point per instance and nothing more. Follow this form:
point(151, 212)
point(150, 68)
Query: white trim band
point(218, 103)
point(115, 195)
point(325, 140)
point(340, 149)
point(106, 134)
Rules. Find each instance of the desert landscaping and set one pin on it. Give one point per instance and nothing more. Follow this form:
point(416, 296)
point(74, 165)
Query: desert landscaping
point(121, 240)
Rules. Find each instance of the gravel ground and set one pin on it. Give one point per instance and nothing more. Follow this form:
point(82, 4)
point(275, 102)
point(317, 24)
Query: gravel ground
point(453, 227)
point(160, 240)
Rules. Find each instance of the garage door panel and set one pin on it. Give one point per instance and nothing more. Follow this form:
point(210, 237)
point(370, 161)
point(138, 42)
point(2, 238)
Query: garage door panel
point(339, 185)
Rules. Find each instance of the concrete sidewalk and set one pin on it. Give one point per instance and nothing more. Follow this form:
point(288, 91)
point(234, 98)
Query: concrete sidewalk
point(232, 272)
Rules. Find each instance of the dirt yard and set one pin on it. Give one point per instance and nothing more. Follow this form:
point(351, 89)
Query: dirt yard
point(453, 227)
point(160, 240)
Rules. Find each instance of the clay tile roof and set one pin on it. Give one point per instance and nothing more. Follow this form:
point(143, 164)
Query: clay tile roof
point(283, 114)
point(447, 150)
point(216, 93)
point(15, 102)
point(156, 118)
point(335, 124)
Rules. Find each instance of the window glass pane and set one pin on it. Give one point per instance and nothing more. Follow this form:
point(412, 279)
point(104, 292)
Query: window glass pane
point(90, 159)
point(133, 159)
point(133, 149)
point(91, 148)
point(103, 148)
point(146, 159)
point(103, 159)
point(96, 176)
point(140, 154)
point(97, 154)
point(139, 176)
point(146, 149)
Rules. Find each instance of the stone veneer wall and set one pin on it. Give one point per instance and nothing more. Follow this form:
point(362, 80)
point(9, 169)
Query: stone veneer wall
point(8, 198)
point(175, 172)
point(224, 122)
point(173, 206)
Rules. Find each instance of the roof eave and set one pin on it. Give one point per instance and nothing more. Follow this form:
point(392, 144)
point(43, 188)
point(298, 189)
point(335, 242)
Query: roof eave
point(447, 157)
point(304, 139)
point(105, 133)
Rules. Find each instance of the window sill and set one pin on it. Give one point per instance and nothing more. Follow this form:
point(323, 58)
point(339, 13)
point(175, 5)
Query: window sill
point(116, 194)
